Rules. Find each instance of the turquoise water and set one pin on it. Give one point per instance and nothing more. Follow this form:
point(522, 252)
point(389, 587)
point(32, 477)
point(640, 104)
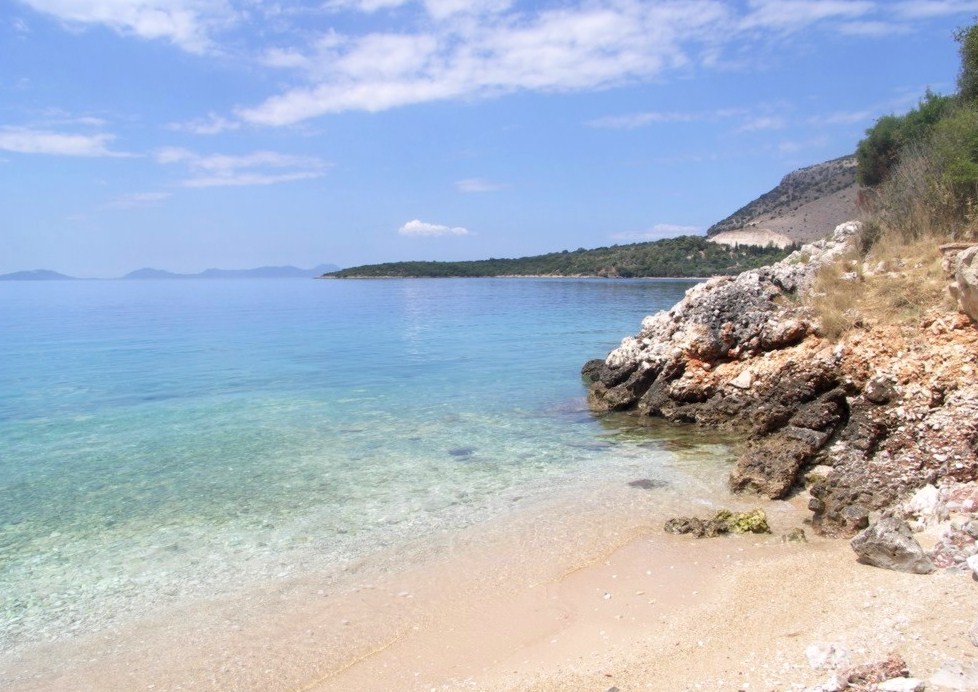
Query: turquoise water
point(177, 439)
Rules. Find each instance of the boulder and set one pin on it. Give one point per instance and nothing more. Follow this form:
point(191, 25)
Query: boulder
point(965, 286)
point(889, 544)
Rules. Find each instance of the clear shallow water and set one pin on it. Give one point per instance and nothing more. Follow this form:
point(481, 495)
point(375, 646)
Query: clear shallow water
point(173, 439)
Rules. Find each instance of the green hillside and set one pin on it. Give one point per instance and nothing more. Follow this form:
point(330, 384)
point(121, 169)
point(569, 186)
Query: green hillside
point(685, 256)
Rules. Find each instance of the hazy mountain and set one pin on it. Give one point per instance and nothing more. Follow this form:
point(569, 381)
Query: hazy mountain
point(37, 275)
point(286, 272)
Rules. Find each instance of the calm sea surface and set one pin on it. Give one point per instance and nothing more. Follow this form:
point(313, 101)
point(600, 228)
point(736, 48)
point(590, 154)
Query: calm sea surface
point(164, 440)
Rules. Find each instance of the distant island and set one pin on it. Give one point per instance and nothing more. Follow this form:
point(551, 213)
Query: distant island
point(284, 272)
point(36, 275)
point(684, 256)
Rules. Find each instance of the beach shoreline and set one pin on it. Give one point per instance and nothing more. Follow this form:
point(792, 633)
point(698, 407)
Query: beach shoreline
point(570, 595)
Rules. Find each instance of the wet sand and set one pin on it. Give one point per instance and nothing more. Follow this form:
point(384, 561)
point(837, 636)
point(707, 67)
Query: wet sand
point(571, 595)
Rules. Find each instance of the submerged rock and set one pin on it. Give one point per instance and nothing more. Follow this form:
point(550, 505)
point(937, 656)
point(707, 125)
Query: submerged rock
point(723, 522)
point(647, 484)
point(796, 535)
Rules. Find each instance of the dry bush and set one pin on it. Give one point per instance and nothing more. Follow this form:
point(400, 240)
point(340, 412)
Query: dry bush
point(913, 203)
point(896, 284)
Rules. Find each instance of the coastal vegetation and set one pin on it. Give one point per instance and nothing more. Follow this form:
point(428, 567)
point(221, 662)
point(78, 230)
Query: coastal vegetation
point(684, 256)
point(921, 169)
point(919, 173)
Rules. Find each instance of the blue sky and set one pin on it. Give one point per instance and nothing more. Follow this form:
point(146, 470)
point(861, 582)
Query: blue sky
point(187, 134)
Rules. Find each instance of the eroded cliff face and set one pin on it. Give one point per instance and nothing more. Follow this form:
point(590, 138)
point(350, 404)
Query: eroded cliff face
point(862, 422)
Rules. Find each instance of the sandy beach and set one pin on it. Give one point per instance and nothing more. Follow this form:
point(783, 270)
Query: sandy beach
point(583, 595)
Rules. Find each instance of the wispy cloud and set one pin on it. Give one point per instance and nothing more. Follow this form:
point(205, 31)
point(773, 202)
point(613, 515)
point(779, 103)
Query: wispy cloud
point(211, 125)
point(658, 232)
point(258, 168)
point(843, 118)
point(368, 6)
point(764, 122)
point(794, 146)
point(468, 49)
point(138, 200)
point(633, 121)
point(571, 48)
point(793, 14)
point(752, 122)
point(421, 229)
point(26, 140)
point(185, 23)
point(874, 28)
point(924, 9)
point(469, 185)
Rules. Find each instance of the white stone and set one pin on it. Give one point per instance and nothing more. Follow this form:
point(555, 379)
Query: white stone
point(973, 564)
point(954, 676)
point(901, 685)
point(743, 381)
point(926, 503)
point(824, 655)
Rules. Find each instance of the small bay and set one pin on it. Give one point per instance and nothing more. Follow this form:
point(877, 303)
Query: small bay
point(168, 440)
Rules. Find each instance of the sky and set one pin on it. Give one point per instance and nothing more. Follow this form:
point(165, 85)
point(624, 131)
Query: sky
point(188, 134)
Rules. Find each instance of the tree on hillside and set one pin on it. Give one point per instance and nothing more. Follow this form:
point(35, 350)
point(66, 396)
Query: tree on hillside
point(879, 152)
point(968, 77)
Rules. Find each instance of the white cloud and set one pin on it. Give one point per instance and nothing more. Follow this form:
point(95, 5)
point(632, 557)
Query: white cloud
point(25, 140)
point(258, 168)
point(421, 229)
point(185, 23)
point(568, 49)
point(658, 232)
point(478, 185)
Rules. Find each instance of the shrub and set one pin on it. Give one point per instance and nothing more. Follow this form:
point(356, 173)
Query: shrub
point(887, 141)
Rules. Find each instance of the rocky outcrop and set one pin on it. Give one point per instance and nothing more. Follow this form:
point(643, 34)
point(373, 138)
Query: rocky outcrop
point(881, 413)
point(738, 353)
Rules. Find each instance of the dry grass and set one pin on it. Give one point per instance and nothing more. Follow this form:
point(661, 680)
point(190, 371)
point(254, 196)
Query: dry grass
point(916, 203)
point(896, 284)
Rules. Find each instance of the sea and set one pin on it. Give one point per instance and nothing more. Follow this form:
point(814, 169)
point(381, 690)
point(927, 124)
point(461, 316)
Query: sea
point(163, 441)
